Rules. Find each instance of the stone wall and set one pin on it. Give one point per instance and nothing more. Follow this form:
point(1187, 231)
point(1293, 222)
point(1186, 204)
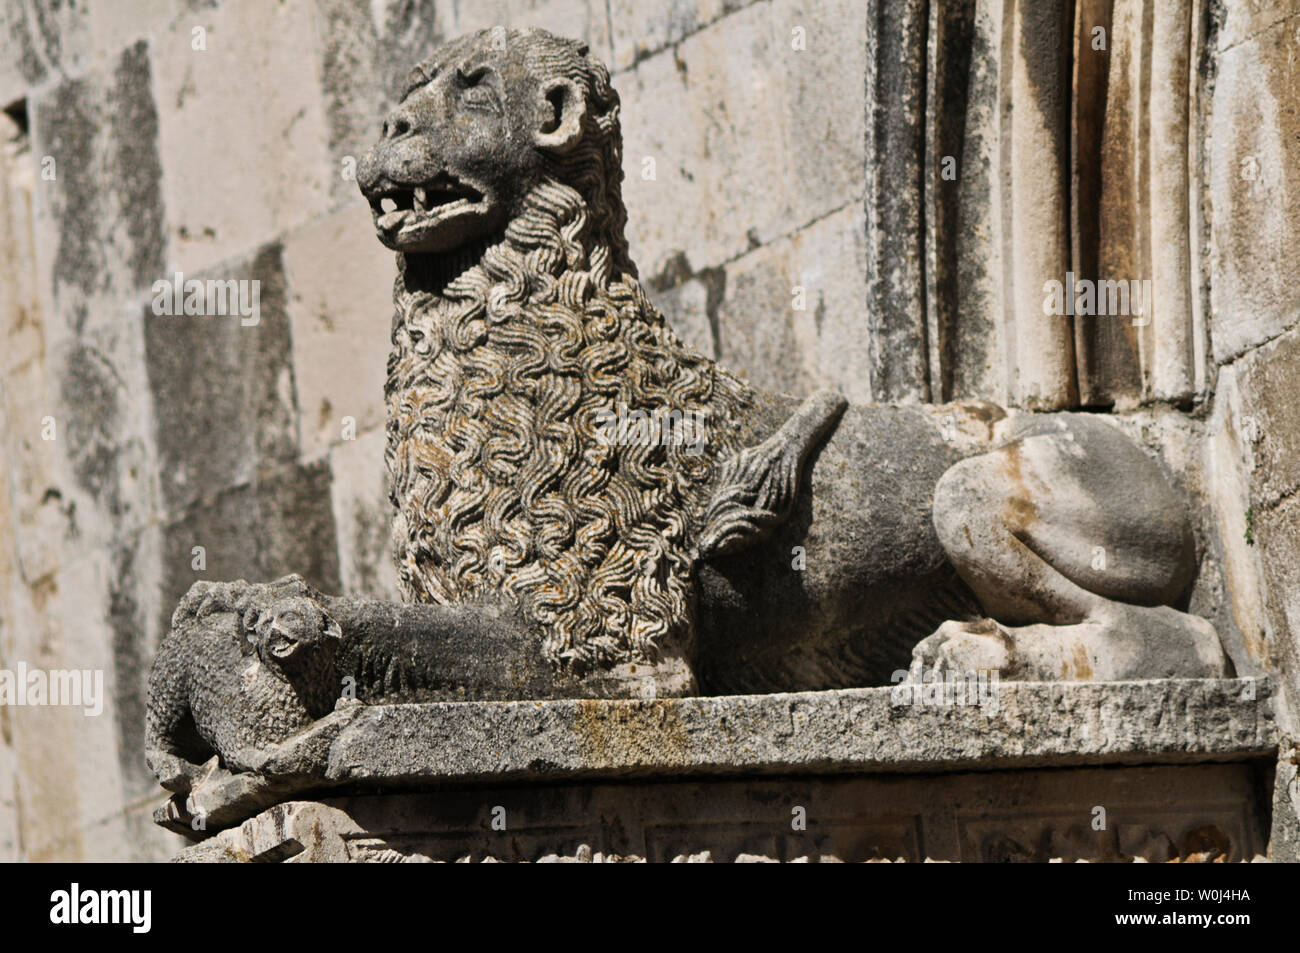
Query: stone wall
point(787, 207)
point(1252, 163)
point(263, 444)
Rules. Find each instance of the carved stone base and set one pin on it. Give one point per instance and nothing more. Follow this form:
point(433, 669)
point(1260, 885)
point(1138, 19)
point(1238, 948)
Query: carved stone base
point(1186, 812)
point(1156, 770)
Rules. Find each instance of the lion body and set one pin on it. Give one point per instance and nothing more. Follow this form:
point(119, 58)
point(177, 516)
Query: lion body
point(520, 322)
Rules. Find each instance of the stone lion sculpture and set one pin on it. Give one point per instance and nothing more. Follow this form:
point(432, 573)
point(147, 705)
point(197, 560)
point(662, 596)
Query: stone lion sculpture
point(238, 676)
point(262, 676)
point(586, 507)
point(800, 545)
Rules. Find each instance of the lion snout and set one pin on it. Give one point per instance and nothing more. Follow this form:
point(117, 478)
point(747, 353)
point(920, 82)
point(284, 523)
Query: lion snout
point(370, 172)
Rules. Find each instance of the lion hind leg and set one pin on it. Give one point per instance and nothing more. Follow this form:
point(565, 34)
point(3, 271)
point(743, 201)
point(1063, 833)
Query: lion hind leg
point(1017, 524)
point(978, 515)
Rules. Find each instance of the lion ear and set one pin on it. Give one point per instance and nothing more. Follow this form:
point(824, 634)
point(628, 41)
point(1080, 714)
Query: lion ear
point(562, 108)
point(250, 620)
point(416, 78)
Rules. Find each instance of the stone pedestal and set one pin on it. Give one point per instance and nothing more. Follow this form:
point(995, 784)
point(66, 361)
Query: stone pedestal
point(1155, 770)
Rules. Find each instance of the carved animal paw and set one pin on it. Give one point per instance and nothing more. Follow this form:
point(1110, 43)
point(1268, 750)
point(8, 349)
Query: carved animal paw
point(961, 647)
point(173, 773)
point(206, 597)
point(248, 759)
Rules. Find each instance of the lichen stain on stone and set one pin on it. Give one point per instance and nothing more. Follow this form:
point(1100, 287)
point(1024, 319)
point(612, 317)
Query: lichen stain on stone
point(1018, 513)
point(1082, 665)
point(631, 733)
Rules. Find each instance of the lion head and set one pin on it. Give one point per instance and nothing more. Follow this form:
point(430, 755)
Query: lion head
point(521, 331)
point(290, 632)
point(482, 123)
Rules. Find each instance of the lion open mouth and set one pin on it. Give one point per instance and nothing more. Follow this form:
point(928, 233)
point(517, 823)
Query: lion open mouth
point(399, 208)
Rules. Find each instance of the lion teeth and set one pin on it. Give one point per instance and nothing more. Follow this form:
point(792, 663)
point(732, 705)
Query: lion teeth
point(392, 219)
point(422, 200)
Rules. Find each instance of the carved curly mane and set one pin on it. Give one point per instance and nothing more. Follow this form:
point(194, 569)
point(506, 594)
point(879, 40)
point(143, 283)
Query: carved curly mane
point(503, 357)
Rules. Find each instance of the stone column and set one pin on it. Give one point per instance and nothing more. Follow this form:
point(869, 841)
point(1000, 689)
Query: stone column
point(1049, 141)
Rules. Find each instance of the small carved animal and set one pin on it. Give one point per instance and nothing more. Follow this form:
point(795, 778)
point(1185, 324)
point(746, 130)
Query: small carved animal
point(242, 669)
point(808, 546)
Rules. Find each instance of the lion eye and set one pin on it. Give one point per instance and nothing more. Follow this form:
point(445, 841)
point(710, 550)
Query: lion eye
point(481, 98)
point(475, 91)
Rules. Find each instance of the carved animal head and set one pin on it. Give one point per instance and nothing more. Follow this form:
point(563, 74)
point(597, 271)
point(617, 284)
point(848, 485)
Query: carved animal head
point(482, 122)
point(291, 633)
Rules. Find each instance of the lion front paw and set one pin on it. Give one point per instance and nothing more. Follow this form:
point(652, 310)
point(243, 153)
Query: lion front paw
point(205, 598)
point(248, 759)
point(961, 647)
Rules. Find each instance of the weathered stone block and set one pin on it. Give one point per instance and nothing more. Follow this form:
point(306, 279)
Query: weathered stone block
point(222, 390)
point(851, 729)
point(1277, 533)
point(80, 443)
point(8, 538)
point(9, 819)
point(107, 467)
point(280, 523)
point(21, 319)
point(794, 314)
point(112, 24)
point(732, 168)
point(819, 64)
point(340, 306)
point(363, 515)
point(1270, 405)
point(855, 731)
point(38, 517)
point(103, 612)
point(1284, 832)
point(1241, 21)
point(100, 218)
point(246, 88)
point(1229, 452)
point(37, 41)
point(1254, 174)
point(44, 738)
point(648, 768)
point(8, 808)
point(586, 20)
point(641, 29)
point(78, 766)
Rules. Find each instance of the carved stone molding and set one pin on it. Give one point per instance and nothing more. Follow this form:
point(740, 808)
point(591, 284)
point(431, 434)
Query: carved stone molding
point(1155, 814)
